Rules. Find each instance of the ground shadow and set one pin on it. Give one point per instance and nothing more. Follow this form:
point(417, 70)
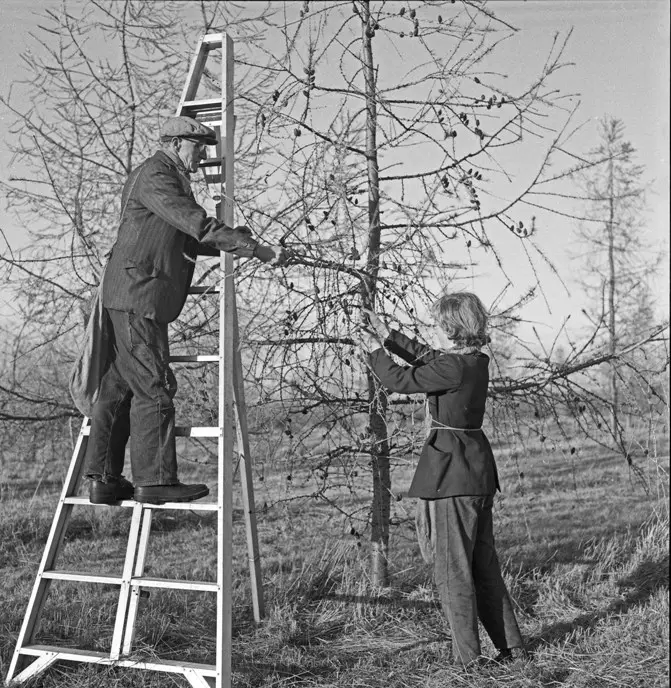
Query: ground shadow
point(647, 578)
point(323, 666)
point(380, 601)
point(566, 547)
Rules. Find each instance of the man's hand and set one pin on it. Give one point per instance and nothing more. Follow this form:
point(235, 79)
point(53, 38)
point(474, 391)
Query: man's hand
point(244, 230)
point(281, 256)
point(377, 324)
point(273, 255)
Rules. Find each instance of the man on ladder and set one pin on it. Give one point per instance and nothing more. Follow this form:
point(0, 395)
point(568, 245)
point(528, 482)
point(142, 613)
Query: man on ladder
point(161, 232)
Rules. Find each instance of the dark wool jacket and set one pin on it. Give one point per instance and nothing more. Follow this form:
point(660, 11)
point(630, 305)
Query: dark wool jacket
point(452, 462)
point(162, 231)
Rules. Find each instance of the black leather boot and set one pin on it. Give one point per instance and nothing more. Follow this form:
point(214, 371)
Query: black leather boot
point(110, 489)
point(160, 494)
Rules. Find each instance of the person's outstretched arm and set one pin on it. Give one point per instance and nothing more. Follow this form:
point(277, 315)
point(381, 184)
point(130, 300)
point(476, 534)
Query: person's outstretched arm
point(442, 374)
point(404, 347)
point(161, 192)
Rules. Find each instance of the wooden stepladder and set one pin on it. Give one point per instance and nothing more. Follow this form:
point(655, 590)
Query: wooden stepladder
point(218, 170)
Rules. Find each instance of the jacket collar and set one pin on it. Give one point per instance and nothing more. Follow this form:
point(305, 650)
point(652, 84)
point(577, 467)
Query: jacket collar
point(174, 160)
point(463, 350)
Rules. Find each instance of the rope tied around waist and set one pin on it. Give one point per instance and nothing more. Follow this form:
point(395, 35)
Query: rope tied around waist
point(431, 423)
point(440, 426)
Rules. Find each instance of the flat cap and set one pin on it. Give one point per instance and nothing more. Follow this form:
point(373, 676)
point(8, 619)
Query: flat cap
point(186, 127)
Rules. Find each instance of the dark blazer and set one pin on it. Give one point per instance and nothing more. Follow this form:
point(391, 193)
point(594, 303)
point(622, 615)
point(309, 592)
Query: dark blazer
point(162, 229)
point(452, 462)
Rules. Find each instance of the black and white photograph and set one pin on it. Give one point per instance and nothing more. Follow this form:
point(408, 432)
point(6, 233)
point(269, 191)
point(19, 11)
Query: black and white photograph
point(334, 343)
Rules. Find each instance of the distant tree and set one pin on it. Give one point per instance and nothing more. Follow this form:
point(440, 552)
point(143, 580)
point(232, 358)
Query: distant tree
point(619, 261)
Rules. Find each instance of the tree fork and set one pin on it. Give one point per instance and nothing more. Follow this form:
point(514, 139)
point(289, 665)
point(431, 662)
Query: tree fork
point(381, 505)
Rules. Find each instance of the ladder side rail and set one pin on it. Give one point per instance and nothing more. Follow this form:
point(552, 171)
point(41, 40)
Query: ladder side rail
point(51, 550)
point(136, 590)
point(226, 440)
point(124, 593)
point(195, 71)
point(246, 478)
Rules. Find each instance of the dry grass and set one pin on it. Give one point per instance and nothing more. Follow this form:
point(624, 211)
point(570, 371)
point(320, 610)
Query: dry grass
point(584, 545)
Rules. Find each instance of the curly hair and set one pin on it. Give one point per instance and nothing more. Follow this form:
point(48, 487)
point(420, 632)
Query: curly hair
point(463, 318)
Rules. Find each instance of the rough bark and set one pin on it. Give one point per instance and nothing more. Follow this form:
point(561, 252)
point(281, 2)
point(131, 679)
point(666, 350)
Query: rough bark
point(376, 396)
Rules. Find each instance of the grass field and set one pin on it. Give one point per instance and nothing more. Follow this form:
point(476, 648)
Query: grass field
point(583, 542)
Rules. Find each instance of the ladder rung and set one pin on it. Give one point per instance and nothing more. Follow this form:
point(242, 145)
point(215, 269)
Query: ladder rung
point(185, 506)
point(83, 577)
point(193, 359)
point(213, 178)
point(210, 162)
point(205, 290)
point(183, 431)
point(171, 584)
point(77, 655)
point(195, 431)
point(203, 103)
point(203, 110)
point(141, 581)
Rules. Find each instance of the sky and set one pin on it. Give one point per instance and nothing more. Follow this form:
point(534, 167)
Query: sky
point(620, 55)
point(620, 52)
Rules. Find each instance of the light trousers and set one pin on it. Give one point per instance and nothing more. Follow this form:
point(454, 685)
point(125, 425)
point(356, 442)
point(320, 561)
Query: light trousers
point(457, 533)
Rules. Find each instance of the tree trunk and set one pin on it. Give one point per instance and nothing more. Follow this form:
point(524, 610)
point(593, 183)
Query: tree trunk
point(376, 398)
point(612, 277)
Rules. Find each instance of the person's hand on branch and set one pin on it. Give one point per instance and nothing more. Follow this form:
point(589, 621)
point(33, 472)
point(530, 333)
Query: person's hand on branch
point(377, 324)
point(366, 340)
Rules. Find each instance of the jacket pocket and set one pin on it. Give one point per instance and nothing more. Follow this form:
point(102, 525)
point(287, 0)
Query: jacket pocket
point(437, 465)
point(144, 266)
point(440, 440)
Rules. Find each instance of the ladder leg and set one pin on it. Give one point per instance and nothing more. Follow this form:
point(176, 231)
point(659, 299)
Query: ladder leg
point(198, 680)
point(246, 479)
point(52, 548)
point(225, 489)
point(226, 401)
point(39, 665)
point(195, 72)
point(135, 590)
point(124, 593)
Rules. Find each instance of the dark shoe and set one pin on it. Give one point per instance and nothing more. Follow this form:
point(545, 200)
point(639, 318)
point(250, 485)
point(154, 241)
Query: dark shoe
point(110, 490)
point(510, 655)
point(160, 494)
